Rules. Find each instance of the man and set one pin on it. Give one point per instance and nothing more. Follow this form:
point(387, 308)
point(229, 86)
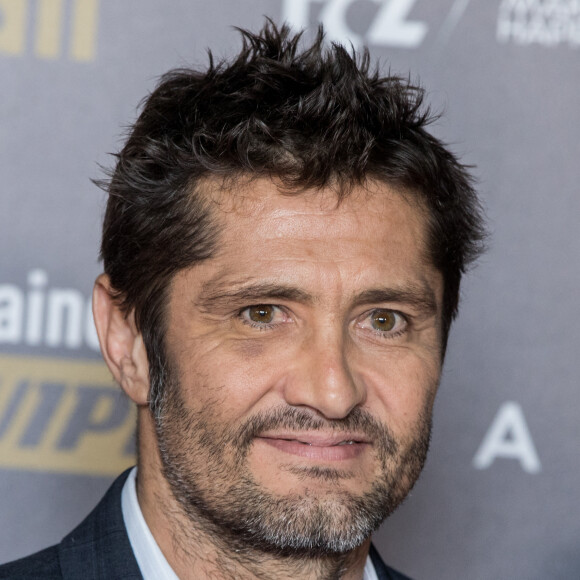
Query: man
point(283, 247)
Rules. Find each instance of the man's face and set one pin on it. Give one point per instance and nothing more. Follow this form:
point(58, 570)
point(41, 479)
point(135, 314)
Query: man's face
point(303, 362)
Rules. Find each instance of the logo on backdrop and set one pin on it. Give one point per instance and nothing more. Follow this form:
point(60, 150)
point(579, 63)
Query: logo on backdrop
point(545, 22)
point(57, 414)
point(49, 29)
point(64, 416)
point(393, 23)
point(38, 315)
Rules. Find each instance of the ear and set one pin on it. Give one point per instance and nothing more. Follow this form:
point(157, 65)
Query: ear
point(121, 343)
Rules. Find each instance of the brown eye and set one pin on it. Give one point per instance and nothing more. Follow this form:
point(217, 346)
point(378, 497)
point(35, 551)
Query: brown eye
point(262, 313)
point(383, 320)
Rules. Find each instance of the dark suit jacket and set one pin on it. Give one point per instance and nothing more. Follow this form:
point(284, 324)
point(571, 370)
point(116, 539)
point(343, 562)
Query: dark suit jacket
point(99, 549)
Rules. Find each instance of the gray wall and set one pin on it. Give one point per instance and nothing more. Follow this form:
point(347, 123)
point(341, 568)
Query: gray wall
point(500, 495)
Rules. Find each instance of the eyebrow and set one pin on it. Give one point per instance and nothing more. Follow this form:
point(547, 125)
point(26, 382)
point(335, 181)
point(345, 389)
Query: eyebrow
point(256, 293)
point(419, 296)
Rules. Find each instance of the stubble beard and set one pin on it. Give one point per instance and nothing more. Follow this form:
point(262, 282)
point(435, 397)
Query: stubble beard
point(206, 468)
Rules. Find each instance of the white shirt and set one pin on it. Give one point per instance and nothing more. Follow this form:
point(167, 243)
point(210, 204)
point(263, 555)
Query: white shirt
point(150, 559)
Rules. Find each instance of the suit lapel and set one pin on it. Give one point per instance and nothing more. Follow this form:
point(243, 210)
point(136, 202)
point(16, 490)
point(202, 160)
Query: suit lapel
point(99, 548)
point(383, 571)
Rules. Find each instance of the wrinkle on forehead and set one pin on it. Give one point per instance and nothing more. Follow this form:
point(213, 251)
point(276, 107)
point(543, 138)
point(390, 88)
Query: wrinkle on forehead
point(277, 214)
point(372, 223)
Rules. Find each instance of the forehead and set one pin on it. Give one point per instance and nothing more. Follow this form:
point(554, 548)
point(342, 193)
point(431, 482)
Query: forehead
point(375, 232)
point(371, 211)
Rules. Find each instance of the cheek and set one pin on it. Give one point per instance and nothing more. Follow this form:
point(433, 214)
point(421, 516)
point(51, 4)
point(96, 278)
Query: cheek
point(250, 349)
point(236, 376)
point(402, 388)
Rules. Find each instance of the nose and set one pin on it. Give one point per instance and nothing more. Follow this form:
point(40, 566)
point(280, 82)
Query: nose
point(323, 379)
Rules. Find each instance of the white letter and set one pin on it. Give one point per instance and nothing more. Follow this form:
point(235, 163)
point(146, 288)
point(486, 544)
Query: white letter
point(391, 29)
point(37, 279)
point(60, 301)
point(296, 13)
point(11, 307)
point(508, 437)
point(333, 16)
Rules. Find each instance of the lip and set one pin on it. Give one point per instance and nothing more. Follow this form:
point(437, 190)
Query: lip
point(318, 446)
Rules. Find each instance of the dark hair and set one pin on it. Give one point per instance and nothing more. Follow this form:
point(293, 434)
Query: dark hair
point(311, 118)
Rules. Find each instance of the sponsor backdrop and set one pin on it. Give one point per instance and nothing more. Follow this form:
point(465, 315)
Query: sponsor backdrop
point(499, 497)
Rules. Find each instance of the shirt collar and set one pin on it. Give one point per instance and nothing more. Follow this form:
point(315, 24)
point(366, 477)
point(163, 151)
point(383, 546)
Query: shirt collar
point(149, 556)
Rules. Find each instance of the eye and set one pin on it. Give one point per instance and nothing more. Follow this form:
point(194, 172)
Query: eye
point(384, 322)
point(263, 316)
point(261, 313)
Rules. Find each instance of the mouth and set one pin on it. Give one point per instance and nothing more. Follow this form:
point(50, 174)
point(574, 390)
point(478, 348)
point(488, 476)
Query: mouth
point(347, 442)
point(318, 446)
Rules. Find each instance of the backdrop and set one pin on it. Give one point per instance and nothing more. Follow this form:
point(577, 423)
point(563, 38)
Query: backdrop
point(499, 497)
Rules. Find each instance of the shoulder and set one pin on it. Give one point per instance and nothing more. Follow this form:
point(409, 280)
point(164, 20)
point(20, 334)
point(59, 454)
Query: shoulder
point(383, 571)
point(42, 565)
